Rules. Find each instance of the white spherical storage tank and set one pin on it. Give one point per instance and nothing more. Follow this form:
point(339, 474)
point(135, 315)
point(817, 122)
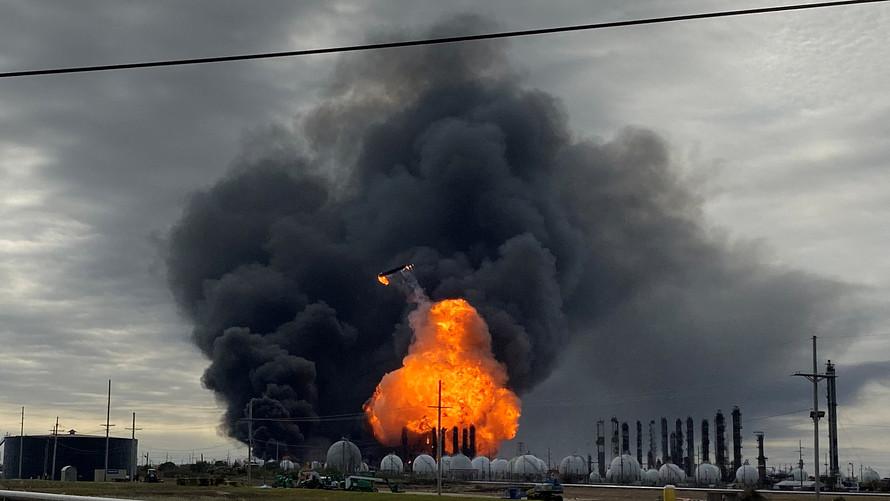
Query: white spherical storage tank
point(870, 475)
point(482, 465)
point(500, 469)
point(670, 473)
point(799, 475)
point(344, 456)
point(286, 465)
point(747, 475)
point(624, 469)
point(525, 467)
point(594, 477)
point(650, 477)
point(424, 465)
point(461, 467)
point(707, 474)
point(572, 468)
point(392, 464)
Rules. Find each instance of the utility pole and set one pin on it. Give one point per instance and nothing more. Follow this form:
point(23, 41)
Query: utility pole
point(439, 408)
point(108, 426)
point(22, 443)
point(814, 378)
point(249, 438)
point(55, 447)
point(133, 446)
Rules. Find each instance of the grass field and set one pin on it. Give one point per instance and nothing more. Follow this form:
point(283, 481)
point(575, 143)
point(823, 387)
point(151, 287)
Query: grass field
point(169, 491)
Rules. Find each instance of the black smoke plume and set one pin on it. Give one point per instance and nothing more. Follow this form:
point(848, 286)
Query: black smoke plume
point(440, 156)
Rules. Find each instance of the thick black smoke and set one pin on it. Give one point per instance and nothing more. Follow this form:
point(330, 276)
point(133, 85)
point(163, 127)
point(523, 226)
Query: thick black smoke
point(441, 157)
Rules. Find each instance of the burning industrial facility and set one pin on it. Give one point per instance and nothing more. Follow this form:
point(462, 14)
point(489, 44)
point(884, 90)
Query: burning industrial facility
point(531, 242)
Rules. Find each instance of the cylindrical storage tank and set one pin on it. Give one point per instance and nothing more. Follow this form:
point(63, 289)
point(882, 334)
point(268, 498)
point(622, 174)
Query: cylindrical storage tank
point(747, 475)
point(572, 468)
point(500, 469)
point(649, 477)
point(286, 465)
point(870, 476)
point(344, 457)
point(594, 477)
point(86, 453)
point(392, 464)
point(482, 465)
point(707, 474)
point(799, 475)
point(526, 467)
point(446, 465)
point(424, 465)
point(669, 473)
point(624, 469)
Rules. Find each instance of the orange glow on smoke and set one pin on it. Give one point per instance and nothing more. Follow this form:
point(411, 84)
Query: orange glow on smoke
point(452, 344)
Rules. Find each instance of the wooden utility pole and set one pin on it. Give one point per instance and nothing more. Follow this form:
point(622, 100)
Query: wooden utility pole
point(133, 430)
point(55, 447)
point(249, 439)
point(439, 440)
point(814, 377)
point(22, 443)
point(108, 426)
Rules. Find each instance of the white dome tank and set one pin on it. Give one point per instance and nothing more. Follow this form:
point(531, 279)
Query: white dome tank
point(344, 456)
point(624, 469)
point(707, 474)
point(594, 477)
point(499, 469)
point(526, 467)
point(747, 475)
point(424, 465)
point(286, 465)
point(392, 464)
point(446, 464)
point(316, 466)
point(669, 473)
point(799, 475)
point(870, 475)
point(461, 467)
point(482, 465)
point(572, 468)
point(649, 477)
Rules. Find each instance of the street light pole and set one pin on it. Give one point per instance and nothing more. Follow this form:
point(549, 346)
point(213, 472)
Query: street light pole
point(814, 378)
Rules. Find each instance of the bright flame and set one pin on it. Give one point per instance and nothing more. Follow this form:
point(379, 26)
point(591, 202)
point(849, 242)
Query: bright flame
point(452, 344)
point(383, 279)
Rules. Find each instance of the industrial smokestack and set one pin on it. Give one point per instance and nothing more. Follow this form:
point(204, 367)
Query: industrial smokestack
point(736, 437)
point(705, 442)
point(601, 447)
point(678, 425)
point(665, 454)
point(639, 442)
point(615, 451)
point(834, 466)
point(690, 446)
point(720, 438)
point(650, 457)
point(404, 443)
point(465, 442)
point(434, 441)
point(472, 440)
point(673, 457)
point(625, 438)
point(761, 459)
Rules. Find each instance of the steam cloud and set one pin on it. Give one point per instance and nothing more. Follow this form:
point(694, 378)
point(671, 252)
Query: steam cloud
point(441, 157)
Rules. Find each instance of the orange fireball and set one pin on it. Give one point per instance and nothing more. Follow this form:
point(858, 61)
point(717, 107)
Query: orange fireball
point(452, 344)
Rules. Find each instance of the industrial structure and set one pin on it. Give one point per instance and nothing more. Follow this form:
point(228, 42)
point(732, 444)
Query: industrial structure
point(46, 455)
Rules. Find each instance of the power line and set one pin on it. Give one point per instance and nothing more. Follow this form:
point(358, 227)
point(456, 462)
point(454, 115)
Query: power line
point(433, 41)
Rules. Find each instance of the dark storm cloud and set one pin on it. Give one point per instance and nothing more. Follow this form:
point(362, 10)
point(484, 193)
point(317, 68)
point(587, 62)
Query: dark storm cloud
point(441, 157)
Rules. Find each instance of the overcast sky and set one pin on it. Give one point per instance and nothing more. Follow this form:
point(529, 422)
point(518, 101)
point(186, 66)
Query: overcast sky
point(779, 122)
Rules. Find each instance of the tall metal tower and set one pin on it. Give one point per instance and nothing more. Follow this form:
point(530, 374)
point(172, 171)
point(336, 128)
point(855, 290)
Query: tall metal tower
point(650, 459)
point(705, 442)
point(639, 442)
point(761, 459)
point(615, 446)
point(720, 442)
point(625, 438)
point(679, 434)
point(690, 446)
point(665, 453)
point(834, 466)
point(736, 437)
point(601, 447)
